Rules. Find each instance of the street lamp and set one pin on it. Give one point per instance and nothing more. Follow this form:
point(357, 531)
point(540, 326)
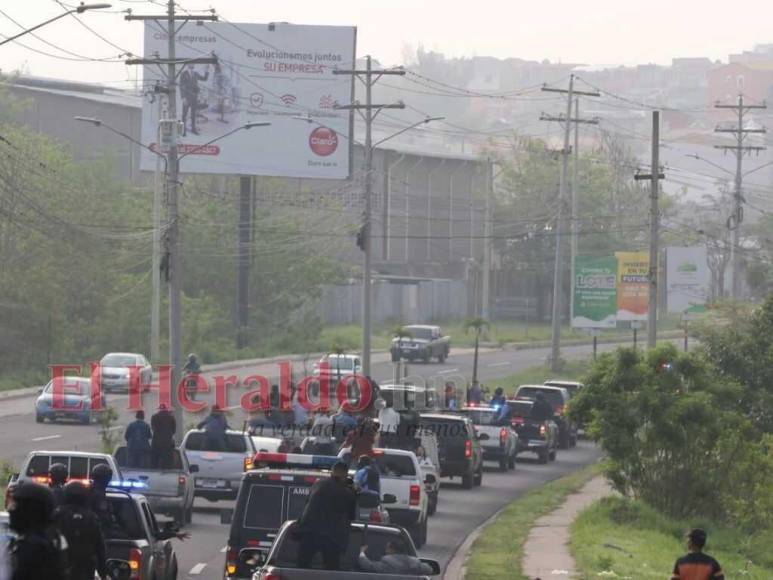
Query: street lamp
point(80, 9)
point(245, 127)
point(100, 123)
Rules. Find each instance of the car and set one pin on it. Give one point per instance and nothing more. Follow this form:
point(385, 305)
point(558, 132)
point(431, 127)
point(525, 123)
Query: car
point(500, 443)
point(75, 401)
point(115, 373)
point(282, 559)
point(135, 537)
point(423, 342)
point(459, 449)
point(534, 436)
point(337, 366)
point(558, 397)
point(275, 491)
point(401, 476)
point(404, 396)
point(220, 471)
point(169, 491)
point(573, 387)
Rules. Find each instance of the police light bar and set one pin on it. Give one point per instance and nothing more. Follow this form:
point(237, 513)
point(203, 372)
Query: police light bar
point(128, 484)
point(294, 460)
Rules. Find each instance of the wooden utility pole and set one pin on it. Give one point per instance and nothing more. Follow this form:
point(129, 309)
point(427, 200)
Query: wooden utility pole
point(244, 232)
point(735, 219)
point(571, 92)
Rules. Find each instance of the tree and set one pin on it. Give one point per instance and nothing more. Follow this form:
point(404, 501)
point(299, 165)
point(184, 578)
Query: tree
point(477, 325)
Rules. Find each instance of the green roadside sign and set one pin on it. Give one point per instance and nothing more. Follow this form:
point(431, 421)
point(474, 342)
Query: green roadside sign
point(595, 292)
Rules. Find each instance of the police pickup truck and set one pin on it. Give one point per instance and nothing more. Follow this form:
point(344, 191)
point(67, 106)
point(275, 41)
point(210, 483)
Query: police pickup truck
point(282, 561)
point(275, 491)
point(168, 490)
point(497, 438)
point(219, 467)
point(534, 436)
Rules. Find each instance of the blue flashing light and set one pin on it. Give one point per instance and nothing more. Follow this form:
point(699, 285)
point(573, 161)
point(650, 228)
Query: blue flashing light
point(128, 484)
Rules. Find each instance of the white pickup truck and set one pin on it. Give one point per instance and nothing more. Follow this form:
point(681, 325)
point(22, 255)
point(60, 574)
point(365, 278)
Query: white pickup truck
point(402, 477)
point(170, 490)
point(219, 469)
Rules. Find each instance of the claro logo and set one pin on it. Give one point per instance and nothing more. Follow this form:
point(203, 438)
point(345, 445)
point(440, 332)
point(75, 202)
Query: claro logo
point(323, 141)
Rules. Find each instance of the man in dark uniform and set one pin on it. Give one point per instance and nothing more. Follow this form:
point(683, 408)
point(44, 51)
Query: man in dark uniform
point(35, 552)
point(324, 525)
point(57, 477)
point(162, 444)
point(80, 527)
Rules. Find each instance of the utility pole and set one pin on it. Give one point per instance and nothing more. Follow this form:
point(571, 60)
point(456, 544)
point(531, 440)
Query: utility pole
point(172, 181)
point(369, 112)
point(488, 229)
point(159, 93)
point(654, 178)
point(571, 92)
point(735, 219)
point(243, 264)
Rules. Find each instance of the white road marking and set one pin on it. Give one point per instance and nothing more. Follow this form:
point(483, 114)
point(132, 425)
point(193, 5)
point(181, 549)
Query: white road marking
point(115, 427)
point(46, 438)
point(500, 364)
point(447, 371)
point(197, 569)
point(224, 549)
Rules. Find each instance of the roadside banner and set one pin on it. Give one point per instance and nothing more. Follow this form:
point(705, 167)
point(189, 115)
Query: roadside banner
point(687, 279)
point(633, 285)
point(595, 292)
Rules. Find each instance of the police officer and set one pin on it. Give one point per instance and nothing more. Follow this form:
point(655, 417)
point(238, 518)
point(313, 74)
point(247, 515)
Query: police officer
point(100, 479)
point(80, 527)
point(57, 477)
point(36, 553)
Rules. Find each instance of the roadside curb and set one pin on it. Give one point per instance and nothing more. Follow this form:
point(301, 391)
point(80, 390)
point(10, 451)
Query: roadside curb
point(456, 567)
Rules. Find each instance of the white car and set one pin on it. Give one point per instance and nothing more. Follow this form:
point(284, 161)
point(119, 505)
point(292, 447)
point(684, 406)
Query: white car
point(339, 365)
point(115, 371)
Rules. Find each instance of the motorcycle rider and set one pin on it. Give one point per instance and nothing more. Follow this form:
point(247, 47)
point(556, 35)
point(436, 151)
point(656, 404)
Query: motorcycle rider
point(80, 527)
point(192, 366)
point(57, 477)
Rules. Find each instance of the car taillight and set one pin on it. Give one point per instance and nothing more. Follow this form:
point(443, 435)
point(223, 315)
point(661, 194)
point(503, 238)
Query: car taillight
point(135, 564)
point(181, 480)
point(8, 492)
point(375, 517)
point(231, 556)
point(415, 494)
point(41, 479)
point(542, 430)
point(270, 574)
point(503, 436)
point(517, 421)
point(468, 448)
point(247, 463)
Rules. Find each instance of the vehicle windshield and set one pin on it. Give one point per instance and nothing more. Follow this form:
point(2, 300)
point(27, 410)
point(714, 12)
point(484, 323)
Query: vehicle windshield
point(235, 443)
point(340, 362)
point(520, 408)
point(389, 465)
point(118, 360)
point(265, 506)
point(480, 417)
point(553, 396)
point(445, 429)
point(377, 538)
point(72, 386)
point(420, 333)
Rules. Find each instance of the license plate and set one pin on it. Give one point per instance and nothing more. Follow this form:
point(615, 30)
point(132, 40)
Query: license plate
point(536, 442)
point(211, 483)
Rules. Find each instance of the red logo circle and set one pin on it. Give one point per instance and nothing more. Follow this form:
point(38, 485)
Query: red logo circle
point(323, 141)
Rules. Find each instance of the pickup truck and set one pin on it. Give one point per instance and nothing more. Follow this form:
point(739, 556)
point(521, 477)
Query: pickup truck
point(430, 468)
point(169, 491)
point(459, 448)
point(540, 437)
point(558, 397)
point(401, 476)
point(497, 438)
point(281, 562)
point(79, 465)
point(421, 342)
point(219, 471)
point(135, 537)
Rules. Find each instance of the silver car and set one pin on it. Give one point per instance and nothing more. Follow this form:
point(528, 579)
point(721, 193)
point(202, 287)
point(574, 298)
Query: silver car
point(115, 371)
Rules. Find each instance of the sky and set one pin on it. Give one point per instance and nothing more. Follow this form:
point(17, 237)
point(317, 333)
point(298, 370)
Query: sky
point(599, 32)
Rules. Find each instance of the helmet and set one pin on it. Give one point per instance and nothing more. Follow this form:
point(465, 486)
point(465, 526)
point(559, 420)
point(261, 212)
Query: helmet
point(192, 356)
point(75, 493)
point(101, 475)
point(58, 474)
point(32, 506)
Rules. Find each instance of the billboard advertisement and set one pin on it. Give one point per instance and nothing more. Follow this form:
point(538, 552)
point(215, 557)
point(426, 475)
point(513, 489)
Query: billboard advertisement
point(595, 292)
point(633, 285)
point(265, 73)
point(687, 279)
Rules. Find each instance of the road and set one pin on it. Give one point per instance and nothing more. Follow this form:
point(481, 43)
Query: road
point(459, 512)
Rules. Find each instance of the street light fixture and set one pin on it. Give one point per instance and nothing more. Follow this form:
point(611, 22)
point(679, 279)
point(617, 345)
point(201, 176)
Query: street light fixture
point(80, 9)
point(100, 123)
point(245, 127)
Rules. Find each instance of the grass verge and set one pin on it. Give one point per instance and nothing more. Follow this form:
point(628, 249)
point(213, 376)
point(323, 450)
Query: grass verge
point(621, 538)
point(572, 371)
point(498, 551)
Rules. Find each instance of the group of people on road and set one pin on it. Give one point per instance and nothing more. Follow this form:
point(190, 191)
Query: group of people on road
point(154, 441)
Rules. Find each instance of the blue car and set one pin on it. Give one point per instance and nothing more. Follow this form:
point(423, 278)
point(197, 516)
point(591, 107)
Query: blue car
point(74, 405)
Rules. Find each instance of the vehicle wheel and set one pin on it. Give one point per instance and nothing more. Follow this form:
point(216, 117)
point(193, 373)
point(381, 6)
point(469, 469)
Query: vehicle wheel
point(573, 441)
point(478, 478)
point(511, 461)
point(441, 358)
point(432, 504)
point(564, 440)
point(189, 515)
point(426, 358)
point(173, 573)
point(418, 534)
point(86, 420)
point(543, 456)
point(552, 455)
point(39, 418)
point(467, 480)
point(503, 462)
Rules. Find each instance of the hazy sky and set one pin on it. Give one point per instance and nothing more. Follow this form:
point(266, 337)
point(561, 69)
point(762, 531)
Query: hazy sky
point(592, 32)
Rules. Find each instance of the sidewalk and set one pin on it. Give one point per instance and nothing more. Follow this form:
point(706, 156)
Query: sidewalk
point(546, 551)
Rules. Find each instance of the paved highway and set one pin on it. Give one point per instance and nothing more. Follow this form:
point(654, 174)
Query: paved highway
point(459, 511)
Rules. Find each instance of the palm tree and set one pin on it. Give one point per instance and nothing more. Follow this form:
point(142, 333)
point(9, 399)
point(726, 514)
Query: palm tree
point(478, 325)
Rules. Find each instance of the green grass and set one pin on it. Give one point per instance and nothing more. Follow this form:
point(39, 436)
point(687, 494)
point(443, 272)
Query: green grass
point(573, 371)
point(498, 551)
point(633, 540)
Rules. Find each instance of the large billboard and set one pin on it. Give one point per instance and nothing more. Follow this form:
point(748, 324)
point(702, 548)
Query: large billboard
point(633, 285)
point(595, 292)
point(687, 279)
point(274, 73)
